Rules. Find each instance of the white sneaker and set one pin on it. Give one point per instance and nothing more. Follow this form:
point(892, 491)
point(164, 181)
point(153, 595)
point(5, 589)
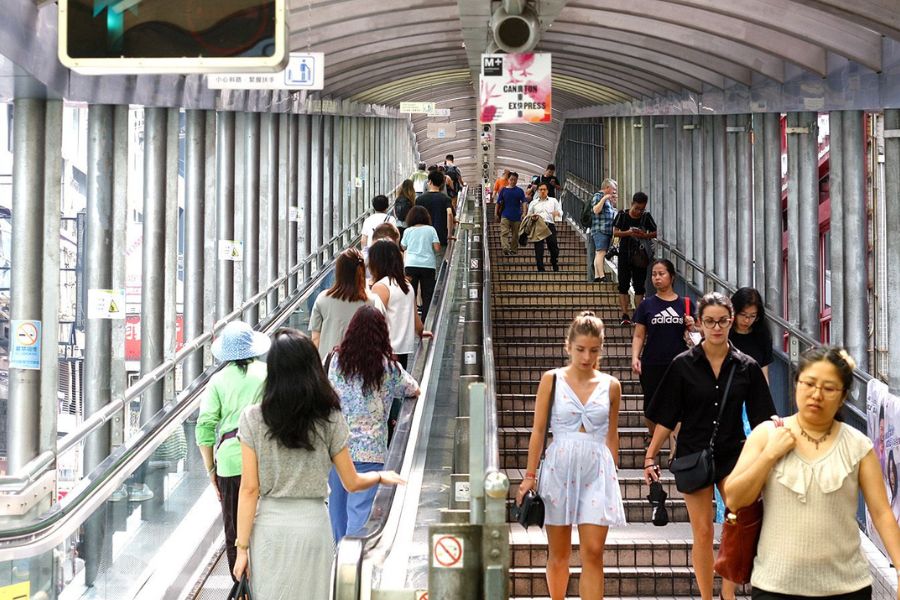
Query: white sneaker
point(139, 493)
point(120, 494)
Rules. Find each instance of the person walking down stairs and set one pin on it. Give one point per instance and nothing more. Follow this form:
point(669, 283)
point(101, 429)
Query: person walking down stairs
point(550, 210)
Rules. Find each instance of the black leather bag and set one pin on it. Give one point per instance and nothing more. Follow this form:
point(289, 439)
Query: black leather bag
point(531, 511)
point(697, 470)
point(240, 590)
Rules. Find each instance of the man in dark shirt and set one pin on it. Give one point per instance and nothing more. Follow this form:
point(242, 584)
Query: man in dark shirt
point(509, 210)
point(439, 206)
point(633, 227)
point(549, 177)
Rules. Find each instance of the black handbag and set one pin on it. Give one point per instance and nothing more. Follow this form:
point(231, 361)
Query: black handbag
point(240, 590)
point(697, 470)
point(531, 511)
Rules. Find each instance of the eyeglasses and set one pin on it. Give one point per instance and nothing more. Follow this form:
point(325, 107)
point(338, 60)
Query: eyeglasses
point(722, 323)
point(827, 389)
point(749, 317)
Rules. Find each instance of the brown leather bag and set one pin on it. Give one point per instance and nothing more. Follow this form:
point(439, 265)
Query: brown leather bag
point(740, 536)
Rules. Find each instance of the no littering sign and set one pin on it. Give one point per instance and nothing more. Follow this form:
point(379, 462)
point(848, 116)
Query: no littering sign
point(448, 551)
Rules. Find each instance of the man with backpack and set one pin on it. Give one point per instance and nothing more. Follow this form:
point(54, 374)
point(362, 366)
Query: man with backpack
point(635, 229)
point(454, 174)
point(509, 211)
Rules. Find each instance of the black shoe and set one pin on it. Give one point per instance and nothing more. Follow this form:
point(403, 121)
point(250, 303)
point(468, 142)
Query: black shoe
point(601, 279)
point(626, 320)
point(555, 268)
point(542, 270)
point(657, 498)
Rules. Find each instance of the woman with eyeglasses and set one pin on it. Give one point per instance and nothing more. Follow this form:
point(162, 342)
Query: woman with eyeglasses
point(691, 393)
point(809, 470)
point(750, 333)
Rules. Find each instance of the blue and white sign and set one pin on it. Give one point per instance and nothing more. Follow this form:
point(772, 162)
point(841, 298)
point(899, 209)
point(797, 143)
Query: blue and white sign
point(25, 345)
point(304, 71)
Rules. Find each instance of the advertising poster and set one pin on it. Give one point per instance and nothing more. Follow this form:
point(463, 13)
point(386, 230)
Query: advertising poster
point(515, 88)
point(883, 424)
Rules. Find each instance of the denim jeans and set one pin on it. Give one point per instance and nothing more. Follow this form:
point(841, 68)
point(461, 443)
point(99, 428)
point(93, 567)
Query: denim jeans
point(349, 512)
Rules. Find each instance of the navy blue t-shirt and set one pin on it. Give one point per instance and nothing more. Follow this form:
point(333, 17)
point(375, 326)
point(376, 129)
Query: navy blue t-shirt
point(664, 321)
point(511, 198)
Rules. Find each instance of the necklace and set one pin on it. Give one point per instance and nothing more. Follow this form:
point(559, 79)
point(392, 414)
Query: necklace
point(815, 441)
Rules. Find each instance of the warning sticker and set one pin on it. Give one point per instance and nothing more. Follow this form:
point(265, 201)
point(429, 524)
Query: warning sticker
point(462, 491)
point(421, 594)
point(25, 345)
point(448, 551)
point(16, 591)
point(292, 213)
point(470, 357)
point(473, 263)
point(473, 293)
point(106, 304)
point(231, 250)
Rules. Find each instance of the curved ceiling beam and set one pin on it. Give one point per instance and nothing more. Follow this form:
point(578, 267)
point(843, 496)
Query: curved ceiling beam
point(786, 46)
point(843, 37)
point(591, 37)
point(373, 61)
point(394, 90)
point(878, 15)
point(763, 62)
point(583, 61)
point(336, 24)
point(572, 87)
point(525, 164)
point(339, 49)
point(528, 138)
point(362, 78)
point(644, 84)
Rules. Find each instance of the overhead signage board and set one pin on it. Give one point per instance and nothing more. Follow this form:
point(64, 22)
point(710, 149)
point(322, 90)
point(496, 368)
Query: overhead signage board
point(441, 131)
point(101, 37)
point(440, 112)
point(515, 88)
point(417, 107)
point(304, 71)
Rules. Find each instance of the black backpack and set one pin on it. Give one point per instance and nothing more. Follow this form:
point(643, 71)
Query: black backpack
point(453, 174)
point(402, 207)
point(587, 215)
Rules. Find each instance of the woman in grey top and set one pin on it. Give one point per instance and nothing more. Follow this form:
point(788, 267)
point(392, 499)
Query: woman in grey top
point(288, 445)
point(334, 307)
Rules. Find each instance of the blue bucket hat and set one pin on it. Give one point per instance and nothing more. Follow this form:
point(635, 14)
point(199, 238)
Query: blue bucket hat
point(238, 341)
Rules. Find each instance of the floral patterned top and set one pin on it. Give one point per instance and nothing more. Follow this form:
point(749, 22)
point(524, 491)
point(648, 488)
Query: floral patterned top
point(367, 412)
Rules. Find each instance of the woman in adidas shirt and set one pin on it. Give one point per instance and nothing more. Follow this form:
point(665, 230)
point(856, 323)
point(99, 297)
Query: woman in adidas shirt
point(660, 321)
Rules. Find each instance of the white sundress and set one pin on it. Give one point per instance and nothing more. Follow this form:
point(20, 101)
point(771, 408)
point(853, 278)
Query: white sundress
point(578, 480)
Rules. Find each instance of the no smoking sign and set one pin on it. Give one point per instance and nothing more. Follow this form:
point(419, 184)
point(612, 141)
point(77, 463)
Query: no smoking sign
point(447, 551)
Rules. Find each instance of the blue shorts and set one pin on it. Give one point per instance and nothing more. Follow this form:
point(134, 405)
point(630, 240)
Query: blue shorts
point(601, 241)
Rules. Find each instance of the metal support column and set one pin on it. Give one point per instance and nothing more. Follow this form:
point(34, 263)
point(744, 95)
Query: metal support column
point(793, 219)
point(273, 220)
point(657, 192)
point(98, 276)
point(708, 219)
point(344, 182)
point(836, 227)
point(856, 312)
point(759, 200)
point(283, 215)
point(808, 225)
point(304, 172)
point(153, 256)
point(23, 412)
point(224, 209)
point(194, 234)
point(681, 176)
point(293, 209)
point(250, 264)
point(892, 243)
point(731, 199)
point(697, 172)
point(744, 175)
point(327, 183)
point(720, 245)
point(352, 197)
point(170, 266)
point(774, 284)
point(337, 181)
point(670, 156)
point(315, 187)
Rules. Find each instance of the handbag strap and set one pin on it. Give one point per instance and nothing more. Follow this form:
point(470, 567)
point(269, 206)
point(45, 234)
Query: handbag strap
point(712, 440)
point(549, 415)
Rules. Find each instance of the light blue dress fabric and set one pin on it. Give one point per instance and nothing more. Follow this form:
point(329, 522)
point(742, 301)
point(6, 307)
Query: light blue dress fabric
point(578, 480)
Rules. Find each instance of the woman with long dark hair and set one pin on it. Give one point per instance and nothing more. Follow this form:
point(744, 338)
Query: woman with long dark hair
point(751, 334)
point(406, 199)
point(367, 379)
point(335, 306)
point(421, 243)
point(289, 443)
point(398, 297)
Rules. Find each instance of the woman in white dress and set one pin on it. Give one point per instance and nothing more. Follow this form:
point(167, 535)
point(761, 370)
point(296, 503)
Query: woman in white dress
point(578, 480)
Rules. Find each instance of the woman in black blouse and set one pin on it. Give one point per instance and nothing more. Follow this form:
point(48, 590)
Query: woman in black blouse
point(750, 333)
point(690, 393)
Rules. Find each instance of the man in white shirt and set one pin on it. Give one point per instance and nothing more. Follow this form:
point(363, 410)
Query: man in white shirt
point(380, 204)
point(549, 209)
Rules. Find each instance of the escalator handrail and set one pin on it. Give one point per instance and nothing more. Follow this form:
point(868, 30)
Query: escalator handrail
point(353, 548)
point(491, 442)
point(65, 516)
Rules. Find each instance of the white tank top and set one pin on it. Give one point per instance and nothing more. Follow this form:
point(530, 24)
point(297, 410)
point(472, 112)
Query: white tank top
point(400, 313)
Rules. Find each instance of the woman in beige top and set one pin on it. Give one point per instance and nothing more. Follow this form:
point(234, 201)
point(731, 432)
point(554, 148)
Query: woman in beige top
point(809, 472)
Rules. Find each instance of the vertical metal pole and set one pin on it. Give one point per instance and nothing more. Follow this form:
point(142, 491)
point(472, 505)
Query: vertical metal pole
point(194, 233)
point(251, 214)
point(153, 256)
point(657, 194)
point(98, 276)
point(836, 218)
point(759, 201)
point(273, 222)
point(53, 166)
point(315, 197)
point(344, 182)
point(892, 242)
point(774, 285)
point(731, 204)
point(793, 220)
point(855, 249)
point(327, 181)
point(720, 185)
point(118, 372)
point(352, 204)
point(292, 176)
point(337, 181)
point(647, 153)
point(681, 187)
point(170, 266)
point(808, 223)
point(23, 414)
point(709, 211)
point(670, 204)
point(224, 209)
point(696, 217)
point(282, 213)
point(210, 243)
point(305, 173)
point(744, 176)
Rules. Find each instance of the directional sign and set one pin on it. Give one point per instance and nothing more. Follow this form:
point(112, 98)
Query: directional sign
point(304, 71)
point(440, 112)
point(417, 107)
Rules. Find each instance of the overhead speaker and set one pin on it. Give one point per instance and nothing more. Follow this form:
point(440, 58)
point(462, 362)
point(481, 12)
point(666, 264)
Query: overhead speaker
point(516, 33)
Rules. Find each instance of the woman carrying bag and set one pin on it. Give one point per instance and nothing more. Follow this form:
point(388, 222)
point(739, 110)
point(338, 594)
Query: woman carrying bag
point(704, 389)
point(578, 480)
point(810, 472)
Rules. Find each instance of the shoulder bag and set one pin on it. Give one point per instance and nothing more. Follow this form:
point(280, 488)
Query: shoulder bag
point(641, 254)
point(240, 590)
point(697, 470)
point(531, 511)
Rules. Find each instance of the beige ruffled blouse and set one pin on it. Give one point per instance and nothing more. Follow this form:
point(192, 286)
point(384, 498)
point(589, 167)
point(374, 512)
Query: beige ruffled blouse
point(809, 544)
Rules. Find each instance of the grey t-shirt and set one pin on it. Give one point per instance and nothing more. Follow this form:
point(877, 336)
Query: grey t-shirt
point(293, 472)
point(331, 316)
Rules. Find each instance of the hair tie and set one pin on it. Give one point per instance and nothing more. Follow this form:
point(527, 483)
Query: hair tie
point(845, 356)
